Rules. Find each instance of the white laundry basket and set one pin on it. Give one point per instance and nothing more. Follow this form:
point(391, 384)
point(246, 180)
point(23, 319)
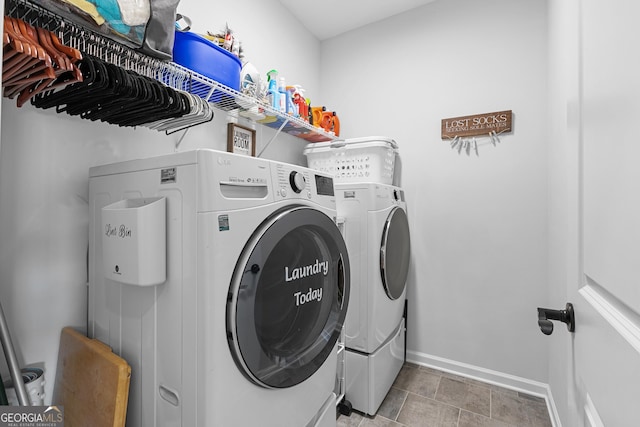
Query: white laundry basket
point(368, 159)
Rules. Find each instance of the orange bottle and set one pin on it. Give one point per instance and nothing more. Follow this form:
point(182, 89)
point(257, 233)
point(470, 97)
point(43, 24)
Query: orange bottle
point(336, 124)
point(330, 122)
point(316, 115)
point(301, 103)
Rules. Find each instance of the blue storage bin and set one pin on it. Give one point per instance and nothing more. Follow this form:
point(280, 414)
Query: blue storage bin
point(206, 58)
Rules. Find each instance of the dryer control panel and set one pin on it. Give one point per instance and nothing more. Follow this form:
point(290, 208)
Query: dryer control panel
point(398, 195)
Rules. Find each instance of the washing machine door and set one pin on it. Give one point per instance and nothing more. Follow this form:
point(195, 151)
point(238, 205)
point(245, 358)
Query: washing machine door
point(395, 251)
point(288, 297)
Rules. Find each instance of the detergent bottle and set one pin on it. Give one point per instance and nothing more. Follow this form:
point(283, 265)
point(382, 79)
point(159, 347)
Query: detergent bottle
point(282, 88)
point(292, 107)
point(273, 95)
point(316, 114)
point(330, 122)
point(335, 124)
point(326, 121)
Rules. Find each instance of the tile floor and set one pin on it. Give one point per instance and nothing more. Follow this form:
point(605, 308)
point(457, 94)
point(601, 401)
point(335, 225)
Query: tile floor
point(425, 397)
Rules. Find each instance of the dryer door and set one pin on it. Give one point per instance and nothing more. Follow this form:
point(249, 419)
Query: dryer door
point(395, 251)
point(288, 297)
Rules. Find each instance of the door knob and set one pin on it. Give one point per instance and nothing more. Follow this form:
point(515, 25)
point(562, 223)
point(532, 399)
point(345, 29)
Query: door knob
point(546, 315)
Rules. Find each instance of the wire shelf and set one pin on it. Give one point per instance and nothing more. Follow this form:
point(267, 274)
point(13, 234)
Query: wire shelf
point(173, 75)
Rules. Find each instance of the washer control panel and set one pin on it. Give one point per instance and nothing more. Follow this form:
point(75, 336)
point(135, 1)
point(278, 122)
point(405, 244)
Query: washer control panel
point(297, 182)
point(292, 181)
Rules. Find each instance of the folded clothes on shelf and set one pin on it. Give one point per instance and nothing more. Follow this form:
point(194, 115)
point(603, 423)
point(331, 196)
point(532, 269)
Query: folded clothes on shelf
point(139, 24)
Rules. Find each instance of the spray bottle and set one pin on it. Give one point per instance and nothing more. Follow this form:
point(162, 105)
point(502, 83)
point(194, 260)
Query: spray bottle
point(300, 103)
point(292, 107)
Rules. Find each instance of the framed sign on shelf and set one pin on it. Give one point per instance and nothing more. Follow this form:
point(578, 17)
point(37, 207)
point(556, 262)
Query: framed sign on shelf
point(241, 140)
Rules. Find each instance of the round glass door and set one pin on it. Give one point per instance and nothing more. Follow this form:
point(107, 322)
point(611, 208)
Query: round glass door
point(395, 252)
point(288, 298)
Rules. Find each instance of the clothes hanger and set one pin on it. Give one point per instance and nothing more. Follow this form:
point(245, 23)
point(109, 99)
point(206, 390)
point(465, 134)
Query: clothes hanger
point(115, 93)
point(21, 28)
point(152, 102)
point(44, 37)
point(28, 78)
point(13, 42)
point(147, 99)
point(176, 106)
point(64, 71)
point(118, 91)
point(82, 96)
point(34, 59)
point(35, 49)
point(200, 111)
point(16, 64)
point(16, 39)
point(164, 104)
point(22, 73)
point(90, 77)
point(8, 51)
point(73, 54)
point(13, 64)
point(111, 94)
point(36, 74)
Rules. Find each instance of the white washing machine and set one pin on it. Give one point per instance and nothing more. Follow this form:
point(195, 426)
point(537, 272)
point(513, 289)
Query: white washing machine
point(243, 330)
point(376, 231)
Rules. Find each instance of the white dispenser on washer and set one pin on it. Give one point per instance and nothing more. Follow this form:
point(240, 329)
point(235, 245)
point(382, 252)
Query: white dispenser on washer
point(134, 241)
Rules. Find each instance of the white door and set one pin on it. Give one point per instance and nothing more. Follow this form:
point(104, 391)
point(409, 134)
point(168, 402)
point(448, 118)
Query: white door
point(604, 363)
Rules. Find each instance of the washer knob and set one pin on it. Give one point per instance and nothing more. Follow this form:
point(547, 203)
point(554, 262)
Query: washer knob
point(297, 181)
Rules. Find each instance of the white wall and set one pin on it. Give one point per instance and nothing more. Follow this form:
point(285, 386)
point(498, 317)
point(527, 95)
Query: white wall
point(44, 179)
point(478, 224)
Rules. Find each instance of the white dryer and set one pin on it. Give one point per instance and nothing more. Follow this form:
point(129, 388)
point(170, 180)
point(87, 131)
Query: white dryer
point(243, 331)
point(376, 231)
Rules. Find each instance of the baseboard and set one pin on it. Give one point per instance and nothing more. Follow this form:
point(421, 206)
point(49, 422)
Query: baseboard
point(489, 376)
